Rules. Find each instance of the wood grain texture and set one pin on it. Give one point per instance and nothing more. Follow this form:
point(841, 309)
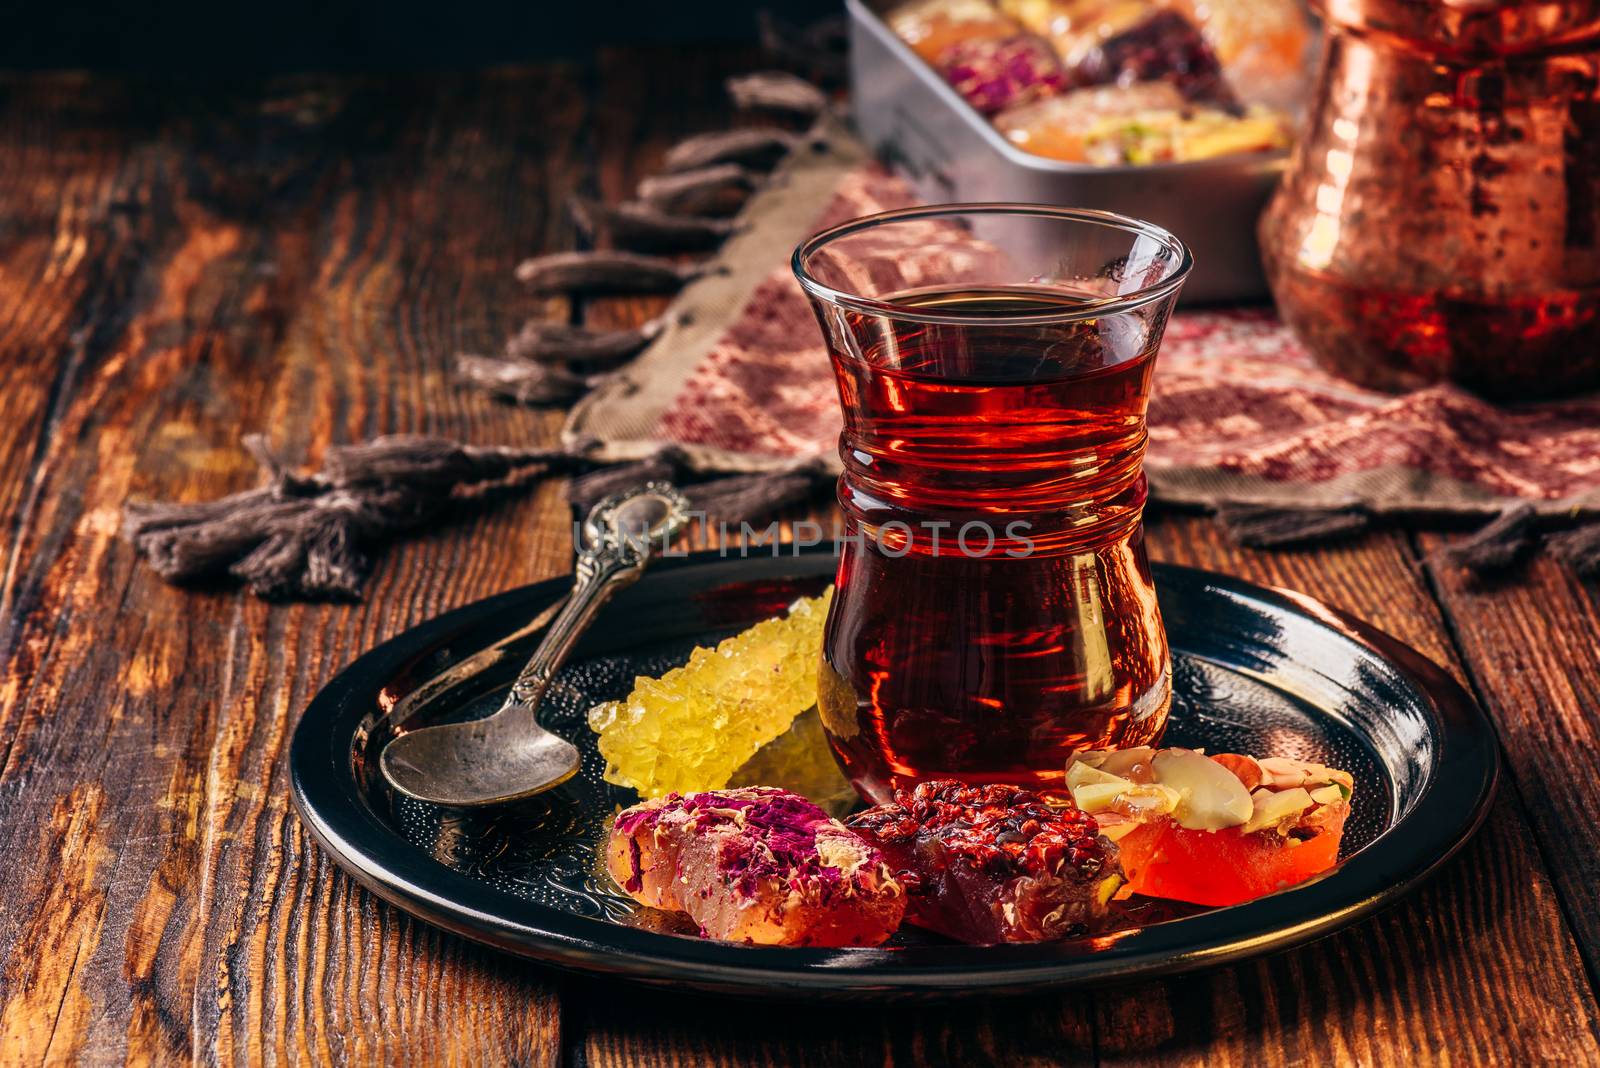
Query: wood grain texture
point(1532, 643)
point(179, 265)
point(290, 259)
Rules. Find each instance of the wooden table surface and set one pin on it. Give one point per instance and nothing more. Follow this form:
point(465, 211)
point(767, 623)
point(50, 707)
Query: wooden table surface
point(183, 264)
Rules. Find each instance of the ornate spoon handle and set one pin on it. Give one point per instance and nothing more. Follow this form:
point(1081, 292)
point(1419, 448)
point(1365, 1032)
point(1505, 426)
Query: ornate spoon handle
point(618, 539)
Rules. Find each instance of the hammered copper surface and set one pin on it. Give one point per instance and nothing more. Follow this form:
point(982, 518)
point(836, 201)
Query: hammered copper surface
point(1440, 219)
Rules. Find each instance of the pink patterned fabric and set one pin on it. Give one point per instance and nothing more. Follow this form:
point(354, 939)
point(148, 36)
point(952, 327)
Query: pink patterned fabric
point(1235, 394)
point(1236, 391)
point(765, 386)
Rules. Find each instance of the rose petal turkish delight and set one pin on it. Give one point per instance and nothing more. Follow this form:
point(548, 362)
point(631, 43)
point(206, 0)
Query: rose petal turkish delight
point(1162, 45)
point(996, 74)
point(756, 865)
point(993, 864)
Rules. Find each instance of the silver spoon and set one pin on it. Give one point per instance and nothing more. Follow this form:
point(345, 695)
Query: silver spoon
point(508, 756)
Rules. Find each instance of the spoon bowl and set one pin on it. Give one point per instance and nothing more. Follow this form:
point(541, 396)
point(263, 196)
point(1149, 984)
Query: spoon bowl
point(508, 755)
point(503, 758)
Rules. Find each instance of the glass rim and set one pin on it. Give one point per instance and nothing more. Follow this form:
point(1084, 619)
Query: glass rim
point(1091, 308)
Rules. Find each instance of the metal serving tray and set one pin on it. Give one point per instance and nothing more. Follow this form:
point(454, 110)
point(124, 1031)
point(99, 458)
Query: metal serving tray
point(911, 118)
point(1253, 671)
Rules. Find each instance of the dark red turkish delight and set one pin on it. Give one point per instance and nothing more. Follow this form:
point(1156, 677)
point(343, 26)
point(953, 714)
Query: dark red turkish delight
point(992, 864)
point(1164, 45)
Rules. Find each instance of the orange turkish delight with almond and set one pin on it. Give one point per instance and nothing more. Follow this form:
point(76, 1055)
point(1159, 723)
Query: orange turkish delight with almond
point(1213, 830)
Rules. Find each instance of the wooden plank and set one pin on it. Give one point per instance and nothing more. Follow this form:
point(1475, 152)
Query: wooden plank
point(311, 258)
point(76, 226)
point(1532, 643)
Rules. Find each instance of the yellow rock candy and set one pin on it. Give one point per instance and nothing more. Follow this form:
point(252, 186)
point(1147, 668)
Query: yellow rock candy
point(693, 727)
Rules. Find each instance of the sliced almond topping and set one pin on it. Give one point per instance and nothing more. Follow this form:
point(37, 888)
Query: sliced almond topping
point(1327, 795)
point(1081, 774)
point(1212, 797)
point(1245, 768)
point(1139, 801)
point(1281, 773)
point(1275, 808)
point(1343, 778)
point(1144, 800)
point(1098, 796)
point(1131, 763)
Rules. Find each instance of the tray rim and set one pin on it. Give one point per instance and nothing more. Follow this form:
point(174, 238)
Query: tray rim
point(1446, 815)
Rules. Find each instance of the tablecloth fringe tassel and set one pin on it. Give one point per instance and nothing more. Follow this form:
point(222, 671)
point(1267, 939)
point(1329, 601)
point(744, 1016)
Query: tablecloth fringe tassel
point(1518, 531)
point(1505, 541)
point(1270, 527)
point(306, 536)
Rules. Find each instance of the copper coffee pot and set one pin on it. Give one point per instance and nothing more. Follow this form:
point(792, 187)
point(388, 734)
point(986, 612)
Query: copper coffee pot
point(1440, 218)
